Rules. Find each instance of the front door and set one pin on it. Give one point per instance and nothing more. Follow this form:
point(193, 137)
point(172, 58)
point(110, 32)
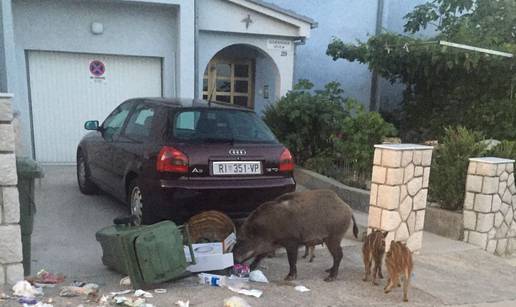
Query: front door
point(229, 81)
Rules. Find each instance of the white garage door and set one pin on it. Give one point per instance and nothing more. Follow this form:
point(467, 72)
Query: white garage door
point(68, 88)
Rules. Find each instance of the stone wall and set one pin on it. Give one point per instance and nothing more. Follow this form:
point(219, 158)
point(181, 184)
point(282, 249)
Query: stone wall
point(489, 204)
point(399, 189)
point(11, 269)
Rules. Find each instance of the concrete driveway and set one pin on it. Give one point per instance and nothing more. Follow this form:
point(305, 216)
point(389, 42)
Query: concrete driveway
point(446, 272)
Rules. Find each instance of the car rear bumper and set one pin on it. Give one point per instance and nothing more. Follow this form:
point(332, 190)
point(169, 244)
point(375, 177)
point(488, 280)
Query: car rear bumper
point(236, 198)
point(230, 184)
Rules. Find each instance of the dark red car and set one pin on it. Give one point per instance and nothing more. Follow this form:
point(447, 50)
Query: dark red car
point(171, 158)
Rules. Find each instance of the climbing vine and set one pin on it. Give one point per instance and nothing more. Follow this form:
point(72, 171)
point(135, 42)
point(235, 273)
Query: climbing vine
point(447, 86)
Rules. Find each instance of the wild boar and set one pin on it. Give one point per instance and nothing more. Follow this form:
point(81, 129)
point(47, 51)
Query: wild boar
point(399, 263)
point(294, 219)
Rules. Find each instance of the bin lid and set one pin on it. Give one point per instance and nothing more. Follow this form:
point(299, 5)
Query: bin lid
point(28, 168)
point(160, 253)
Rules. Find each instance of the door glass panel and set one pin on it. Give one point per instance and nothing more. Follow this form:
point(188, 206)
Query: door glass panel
point(240, 100)
point(223, 98)
point(114, 122)
point(205, 85)
point(241, 71)
point(223, 70)
point(241, 86)
point(140, 123)
point(223, 86)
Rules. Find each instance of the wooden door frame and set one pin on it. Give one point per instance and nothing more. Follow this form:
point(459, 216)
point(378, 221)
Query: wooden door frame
point(212, 79)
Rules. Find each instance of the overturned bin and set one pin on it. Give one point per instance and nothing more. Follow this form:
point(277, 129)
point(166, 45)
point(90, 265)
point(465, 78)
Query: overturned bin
point(148, 254)
point(28, 170)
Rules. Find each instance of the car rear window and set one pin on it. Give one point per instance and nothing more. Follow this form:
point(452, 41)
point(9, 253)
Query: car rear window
point(221, 125)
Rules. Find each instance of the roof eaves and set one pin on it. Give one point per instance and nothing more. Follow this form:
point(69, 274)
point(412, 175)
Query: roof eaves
point(277, 8)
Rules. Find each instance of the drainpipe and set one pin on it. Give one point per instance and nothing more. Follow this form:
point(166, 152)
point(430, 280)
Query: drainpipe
point(196, 51)
point(374, 100)
point(298, 42)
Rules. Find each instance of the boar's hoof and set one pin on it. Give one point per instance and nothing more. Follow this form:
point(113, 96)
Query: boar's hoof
point(291, 277)
point(375, 283)
point(328, 270)
point(405, 300)
point(330, 278)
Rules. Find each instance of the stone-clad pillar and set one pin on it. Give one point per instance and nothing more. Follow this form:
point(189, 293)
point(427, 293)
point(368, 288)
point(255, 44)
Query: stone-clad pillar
point(489, 203)
point(11, 269)
point(399, 188)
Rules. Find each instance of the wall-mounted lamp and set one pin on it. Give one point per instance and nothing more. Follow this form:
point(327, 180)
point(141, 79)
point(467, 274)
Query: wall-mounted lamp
point(97, 28)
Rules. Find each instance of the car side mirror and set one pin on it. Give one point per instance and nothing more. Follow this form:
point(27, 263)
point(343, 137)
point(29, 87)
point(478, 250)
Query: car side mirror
point(91, 125)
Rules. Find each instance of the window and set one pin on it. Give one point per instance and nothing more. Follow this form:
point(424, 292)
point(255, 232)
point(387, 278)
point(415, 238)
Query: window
point(215, 126)
point(140, 123)
point(114, 122)
point(229, 81)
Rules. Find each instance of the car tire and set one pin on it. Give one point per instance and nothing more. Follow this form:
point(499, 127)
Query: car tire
point(86, 186)
point(143, 214)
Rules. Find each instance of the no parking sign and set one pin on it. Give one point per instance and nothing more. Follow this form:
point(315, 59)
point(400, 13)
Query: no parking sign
point(97, 70)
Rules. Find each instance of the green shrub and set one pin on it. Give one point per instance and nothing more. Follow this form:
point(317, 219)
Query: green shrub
point(305, 121)
point(450, 164)
point(506, 149)
point(359, 132)
point(328, 133)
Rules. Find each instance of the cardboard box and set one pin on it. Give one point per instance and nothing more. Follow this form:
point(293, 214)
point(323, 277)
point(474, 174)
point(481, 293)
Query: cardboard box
point(208, 257)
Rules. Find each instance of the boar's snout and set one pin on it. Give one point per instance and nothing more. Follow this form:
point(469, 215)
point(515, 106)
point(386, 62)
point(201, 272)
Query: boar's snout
point(243, 251)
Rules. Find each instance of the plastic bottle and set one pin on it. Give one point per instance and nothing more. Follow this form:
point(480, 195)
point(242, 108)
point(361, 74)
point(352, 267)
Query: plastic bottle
point(212, 280)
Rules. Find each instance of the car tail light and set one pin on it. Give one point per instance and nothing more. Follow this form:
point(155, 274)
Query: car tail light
point(286, 161)
point(171, 160)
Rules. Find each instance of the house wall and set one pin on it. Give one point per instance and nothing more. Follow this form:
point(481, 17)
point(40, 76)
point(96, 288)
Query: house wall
point(348, 20)
point(65, 26)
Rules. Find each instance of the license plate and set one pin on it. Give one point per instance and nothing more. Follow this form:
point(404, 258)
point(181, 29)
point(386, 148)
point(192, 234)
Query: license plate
point(237, 168)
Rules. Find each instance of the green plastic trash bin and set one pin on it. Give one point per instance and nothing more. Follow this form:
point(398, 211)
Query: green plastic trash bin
point(148, 254)
point(28, 170)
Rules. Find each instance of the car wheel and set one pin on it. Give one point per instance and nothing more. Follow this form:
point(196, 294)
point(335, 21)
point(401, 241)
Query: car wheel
point(143, 214)
point(86, 186)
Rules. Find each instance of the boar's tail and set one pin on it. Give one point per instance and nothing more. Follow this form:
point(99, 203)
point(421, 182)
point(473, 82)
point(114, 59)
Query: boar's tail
point(355, 228)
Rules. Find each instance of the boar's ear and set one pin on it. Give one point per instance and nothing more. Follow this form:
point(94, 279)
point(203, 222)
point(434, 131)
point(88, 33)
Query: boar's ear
point(385, 233)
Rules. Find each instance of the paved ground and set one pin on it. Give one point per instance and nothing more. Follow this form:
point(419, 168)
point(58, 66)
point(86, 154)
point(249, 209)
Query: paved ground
point(446, 272)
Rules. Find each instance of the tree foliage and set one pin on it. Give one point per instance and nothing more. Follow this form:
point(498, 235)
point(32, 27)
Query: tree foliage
point(447, 86)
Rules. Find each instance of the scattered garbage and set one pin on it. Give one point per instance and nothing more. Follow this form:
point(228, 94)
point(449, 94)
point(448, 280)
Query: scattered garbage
point(212, 280)
point(248, 292)
point(121, 292)
point(40, 304)
point(160, 291)
point(28, 301)
point(241, 270)
point(208, 257)
point(44, 279)
point(126, 281)
point(236, 301)
point(183, 303)
point(77, 283)
point(129, 301)
point(258, 276)
point(141, 293)
point(90, 289)
point(24, 289)
point(301, 288)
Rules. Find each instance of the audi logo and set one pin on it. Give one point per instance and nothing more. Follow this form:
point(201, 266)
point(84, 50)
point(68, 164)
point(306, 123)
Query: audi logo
point(237, 152)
